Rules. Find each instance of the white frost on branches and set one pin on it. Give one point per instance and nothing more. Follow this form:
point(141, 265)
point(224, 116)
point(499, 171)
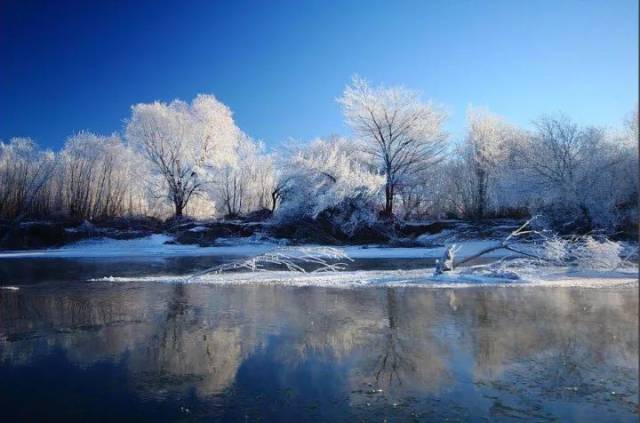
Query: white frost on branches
point(402, 135)
point(545, 248)
point(183, 142)
point(191, 158)
point(295, 259)
point(322, 175)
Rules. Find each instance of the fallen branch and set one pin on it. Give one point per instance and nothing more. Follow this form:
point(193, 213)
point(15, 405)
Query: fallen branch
point(327, 259)
point(448, 262)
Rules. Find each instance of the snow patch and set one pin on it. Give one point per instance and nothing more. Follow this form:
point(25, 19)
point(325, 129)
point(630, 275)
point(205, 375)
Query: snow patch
point(398, 278)
point(439, 239)
point(160, 245)
point(157, 245)
point(467, 248)
point(198, 229)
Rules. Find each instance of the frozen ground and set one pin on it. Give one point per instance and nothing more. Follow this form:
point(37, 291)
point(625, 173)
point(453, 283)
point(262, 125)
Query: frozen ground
point(552, 277)
point(156, 245)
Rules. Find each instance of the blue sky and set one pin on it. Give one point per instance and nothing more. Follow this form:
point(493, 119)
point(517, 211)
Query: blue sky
point(67, 66)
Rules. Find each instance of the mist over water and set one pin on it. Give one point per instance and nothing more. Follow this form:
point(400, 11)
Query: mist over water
point(71, 349)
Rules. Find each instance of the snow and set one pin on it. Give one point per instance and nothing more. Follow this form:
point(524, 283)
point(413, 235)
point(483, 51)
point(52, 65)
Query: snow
point(430, 240)
point(151, 246)
point(156, 246)
point(395, 278)
point(198, 229)
point(467, 248)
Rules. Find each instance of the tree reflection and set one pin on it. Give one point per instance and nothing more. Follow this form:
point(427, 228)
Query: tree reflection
point(177, 338)
point(389, 363)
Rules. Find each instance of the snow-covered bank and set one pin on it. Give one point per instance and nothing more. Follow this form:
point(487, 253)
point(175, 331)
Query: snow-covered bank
point(554, 277)
point(510, 273)
point(162, 246)
point(157, 245)
point(467, 248)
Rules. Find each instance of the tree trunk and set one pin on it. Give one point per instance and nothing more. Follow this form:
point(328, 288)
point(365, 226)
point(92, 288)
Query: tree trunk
point(274, 201)
point(481, 200)
point(388, 206)
point(179, 208)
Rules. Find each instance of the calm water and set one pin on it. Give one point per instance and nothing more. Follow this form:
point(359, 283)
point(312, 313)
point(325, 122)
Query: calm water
point(73, 350)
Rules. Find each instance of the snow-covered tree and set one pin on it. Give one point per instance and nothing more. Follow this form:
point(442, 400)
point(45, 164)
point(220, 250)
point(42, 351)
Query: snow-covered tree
point(245, 184)
point(193, 155)
point(570, 171)
point(427, 194)
point(283, 176)
point(322, 175)
point(183, 142)
point(402, 134)
point(483, 155)
point(625, 189)
point(25, 171)
point(94, 174)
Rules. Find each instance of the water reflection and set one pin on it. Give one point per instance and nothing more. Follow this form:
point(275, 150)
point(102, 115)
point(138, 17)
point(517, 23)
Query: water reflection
point(279, 353)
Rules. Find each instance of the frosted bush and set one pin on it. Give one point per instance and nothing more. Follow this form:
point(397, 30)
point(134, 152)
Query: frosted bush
point(584, 252)
point(326, 175)
point(556, 250)
point(355, 214)
point(597, 255)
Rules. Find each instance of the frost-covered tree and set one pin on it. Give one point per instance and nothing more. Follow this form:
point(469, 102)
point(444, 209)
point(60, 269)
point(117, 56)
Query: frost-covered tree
point(95, 175)
point(323, 175)
point(625, 189)
point(427, 194)
point(183, 142)
point(570, 172)
point(283, 176)
point(266, 181)
point(246, 183)
point(25, 171)
point(402, 134)
point(483, 155)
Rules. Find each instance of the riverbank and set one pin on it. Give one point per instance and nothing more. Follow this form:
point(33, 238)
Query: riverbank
point(32, 235)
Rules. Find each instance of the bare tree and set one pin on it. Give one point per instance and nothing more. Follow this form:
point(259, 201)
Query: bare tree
point(402, 134)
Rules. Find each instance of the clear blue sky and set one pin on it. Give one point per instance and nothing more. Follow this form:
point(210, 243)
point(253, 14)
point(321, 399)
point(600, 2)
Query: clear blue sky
point(67, 66)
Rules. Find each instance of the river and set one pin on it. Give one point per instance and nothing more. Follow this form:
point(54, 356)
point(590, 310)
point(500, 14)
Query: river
point(77, 350)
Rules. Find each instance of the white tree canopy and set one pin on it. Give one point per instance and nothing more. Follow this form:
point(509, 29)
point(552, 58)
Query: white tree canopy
point(402, 134)
point(323, 173)
point(183, 142)
point(484, 151)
